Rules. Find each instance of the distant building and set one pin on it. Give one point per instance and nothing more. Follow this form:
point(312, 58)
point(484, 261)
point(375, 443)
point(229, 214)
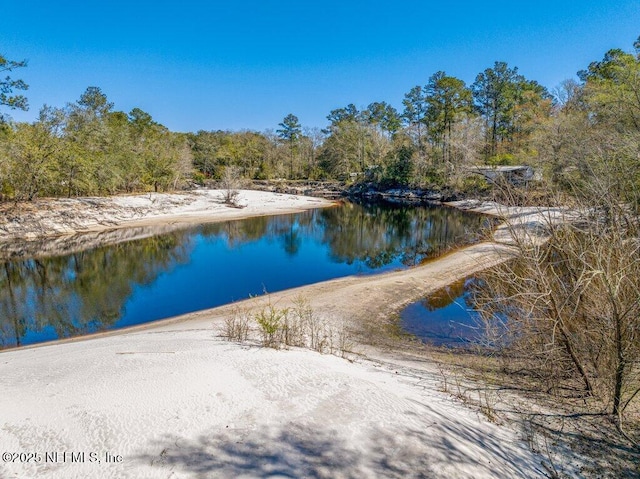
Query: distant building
point(516, 175)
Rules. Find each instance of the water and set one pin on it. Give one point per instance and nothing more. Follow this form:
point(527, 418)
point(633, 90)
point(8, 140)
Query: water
point(168, 274)
point(446, 318)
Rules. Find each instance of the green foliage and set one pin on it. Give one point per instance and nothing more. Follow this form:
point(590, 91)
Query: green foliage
point(507, 101)
point(346, 150)
point(434, 177)
point(263, 171)
point(289, 133)
point(290, 129)
point(612, 88)
point(198, 178)
point(31, 157)
point(384, 116)
point(270, 321)
point(297, 326)
point(213, 150)
point(473, 185)
point(400, 168)
point(502, 159)
point(87, 148)
point(8, 85)
point(448, 100)
point(415, 115)
point(347, 114)
point(357, 142)
point(502, 119)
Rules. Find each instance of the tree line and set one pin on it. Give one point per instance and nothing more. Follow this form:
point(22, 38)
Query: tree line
point(444, 126)
point(89, 148)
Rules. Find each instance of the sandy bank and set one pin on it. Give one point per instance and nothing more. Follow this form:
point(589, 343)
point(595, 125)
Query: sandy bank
point(184, 404)
point(48, 226)
point(173, 399)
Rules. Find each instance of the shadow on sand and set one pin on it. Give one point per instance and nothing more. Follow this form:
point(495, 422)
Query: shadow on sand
point(442, 448)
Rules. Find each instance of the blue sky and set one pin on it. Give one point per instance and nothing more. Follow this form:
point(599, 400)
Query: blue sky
point(246, 64)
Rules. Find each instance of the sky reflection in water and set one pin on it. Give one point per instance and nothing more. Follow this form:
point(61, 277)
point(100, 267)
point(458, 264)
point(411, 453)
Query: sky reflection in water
point(209, 265)
point(445, 318)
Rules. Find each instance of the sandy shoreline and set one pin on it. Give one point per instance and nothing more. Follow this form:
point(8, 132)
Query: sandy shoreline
point(176, 400)
point(51, 226)
point(64, 216)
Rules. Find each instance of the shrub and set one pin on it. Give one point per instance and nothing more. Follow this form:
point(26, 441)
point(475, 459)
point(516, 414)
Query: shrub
point(270, 321)
point(236, 326)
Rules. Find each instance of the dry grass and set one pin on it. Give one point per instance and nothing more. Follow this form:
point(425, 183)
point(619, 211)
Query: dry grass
point(561, 425)
point(295, 326)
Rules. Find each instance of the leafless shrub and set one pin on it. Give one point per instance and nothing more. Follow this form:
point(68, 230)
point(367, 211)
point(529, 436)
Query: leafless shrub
point(312, 325)
point(340, 341)
point(292, 330)
point(566, 311)
point(230, 182)
point(236, 326)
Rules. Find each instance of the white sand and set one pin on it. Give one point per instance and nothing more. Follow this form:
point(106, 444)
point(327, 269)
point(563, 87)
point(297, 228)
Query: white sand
point(176, 401)
point(53, 217)
point(179, 402)
point(521, 224)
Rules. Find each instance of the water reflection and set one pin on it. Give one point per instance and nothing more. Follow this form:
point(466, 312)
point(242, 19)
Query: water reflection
point(380, 234)
point(154, 277)
point(445, 318)
point(56, 297)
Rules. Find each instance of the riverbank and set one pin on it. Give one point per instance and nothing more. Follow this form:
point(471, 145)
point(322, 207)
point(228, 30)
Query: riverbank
point(50, 226)
point(174, 399)
point(66, 216)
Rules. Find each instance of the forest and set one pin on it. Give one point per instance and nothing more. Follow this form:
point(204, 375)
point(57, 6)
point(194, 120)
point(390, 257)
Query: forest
point(88, 147)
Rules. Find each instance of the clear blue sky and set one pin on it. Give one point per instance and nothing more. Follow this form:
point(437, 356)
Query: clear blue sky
point(246, 64)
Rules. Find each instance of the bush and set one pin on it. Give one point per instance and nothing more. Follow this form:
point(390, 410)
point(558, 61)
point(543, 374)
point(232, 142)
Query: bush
point(503, 159)
point(236, 327)
point(297, 326)
point(270, 321)
point(311, 323)
point(198, 178)
point(230, 183)
point(474, 184)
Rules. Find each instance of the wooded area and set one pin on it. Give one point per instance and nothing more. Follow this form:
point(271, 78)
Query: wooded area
point(89, 148)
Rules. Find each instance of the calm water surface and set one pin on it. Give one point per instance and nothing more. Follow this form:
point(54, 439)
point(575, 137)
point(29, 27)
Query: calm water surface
point(446, 318)
point(205, 266)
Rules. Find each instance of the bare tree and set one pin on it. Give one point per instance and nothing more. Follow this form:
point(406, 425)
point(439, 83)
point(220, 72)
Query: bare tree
point(230, 182)
point(567, 310)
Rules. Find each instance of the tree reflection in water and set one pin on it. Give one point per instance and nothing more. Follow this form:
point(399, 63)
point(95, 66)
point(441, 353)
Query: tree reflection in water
point(83, 292)
point(87, 291)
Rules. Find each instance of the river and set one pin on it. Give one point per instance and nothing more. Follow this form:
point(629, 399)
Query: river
point(164, 275)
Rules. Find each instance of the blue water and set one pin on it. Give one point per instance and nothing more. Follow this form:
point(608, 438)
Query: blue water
point(445, 319)
point(209, 265)
point(217, 269)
